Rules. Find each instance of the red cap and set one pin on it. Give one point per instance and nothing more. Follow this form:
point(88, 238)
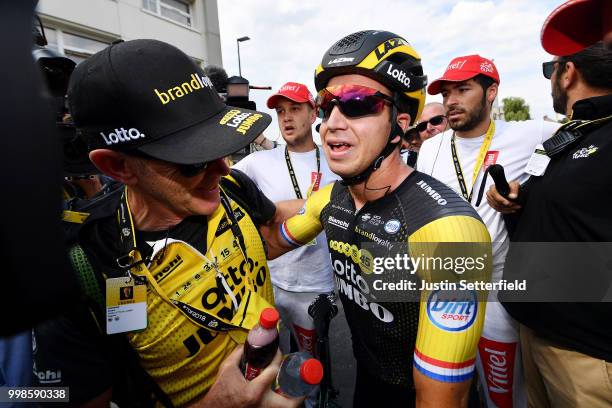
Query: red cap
point(311, 371)
point(573, 26)
point(269, 318)
point(292, 90)
point(464, 68)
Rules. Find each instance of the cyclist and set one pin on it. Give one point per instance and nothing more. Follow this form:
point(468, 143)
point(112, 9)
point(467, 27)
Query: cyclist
point(370, 90)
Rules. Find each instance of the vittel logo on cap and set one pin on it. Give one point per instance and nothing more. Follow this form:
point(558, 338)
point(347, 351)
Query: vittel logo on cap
point(292, 88)
point(122, 136)
point(456, 65)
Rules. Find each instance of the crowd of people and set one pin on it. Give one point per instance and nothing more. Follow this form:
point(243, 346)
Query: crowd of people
point(176, 250)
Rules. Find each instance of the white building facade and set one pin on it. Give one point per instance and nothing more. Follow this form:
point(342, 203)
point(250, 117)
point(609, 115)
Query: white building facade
point(80, 28)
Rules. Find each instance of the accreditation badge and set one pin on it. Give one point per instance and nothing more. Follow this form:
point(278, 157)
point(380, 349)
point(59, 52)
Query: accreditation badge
point(537, 162)
point(126, 305)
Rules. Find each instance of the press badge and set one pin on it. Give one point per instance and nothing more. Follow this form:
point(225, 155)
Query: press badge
point(537, 162)
point(126, 305)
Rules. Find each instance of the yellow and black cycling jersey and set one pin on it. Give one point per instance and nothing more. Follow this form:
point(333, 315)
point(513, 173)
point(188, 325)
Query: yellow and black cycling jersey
point(197, 264)
point(421, 218)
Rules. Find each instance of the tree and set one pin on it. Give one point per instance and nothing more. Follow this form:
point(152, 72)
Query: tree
point(515, 109)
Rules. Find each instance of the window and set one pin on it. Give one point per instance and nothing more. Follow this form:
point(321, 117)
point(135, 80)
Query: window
point(175, 10)
point(75, 46)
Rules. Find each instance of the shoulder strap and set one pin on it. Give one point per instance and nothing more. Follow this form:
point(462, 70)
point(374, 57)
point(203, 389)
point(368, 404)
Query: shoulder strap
point(91, 287)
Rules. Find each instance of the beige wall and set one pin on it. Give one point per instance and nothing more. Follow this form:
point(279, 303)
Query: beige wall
point(126, 19)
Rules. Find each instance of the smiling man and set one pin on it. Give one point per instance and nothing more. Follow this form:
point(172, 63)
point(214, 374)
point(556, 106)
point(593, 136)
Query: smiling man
point(181, 236)
point(370, 90)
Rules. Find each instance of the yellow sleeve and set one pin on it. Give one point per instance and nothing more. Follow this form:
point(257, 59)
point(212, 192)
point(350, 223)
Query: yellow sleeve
point(451, 316)
point(306, 224)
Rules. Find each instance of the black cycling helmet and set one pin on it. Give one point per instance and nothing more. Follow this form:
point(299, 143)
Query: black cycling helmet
point(386, 58)
point(383, 56)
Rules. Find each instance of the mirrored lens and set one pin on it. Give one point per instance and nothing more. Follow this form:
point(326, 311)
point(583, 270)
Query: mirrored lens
point(352, 100)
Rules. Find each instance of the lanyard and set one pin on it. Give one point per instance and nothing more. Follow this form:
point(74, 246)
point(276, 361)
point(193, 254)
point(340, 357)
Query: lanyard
point(296, 186)
point(479, 162)
point(132, 262)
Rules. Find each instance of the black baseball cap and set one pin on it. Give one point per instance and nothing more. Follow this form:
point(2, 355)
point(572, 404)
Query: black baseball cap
point(149, 96)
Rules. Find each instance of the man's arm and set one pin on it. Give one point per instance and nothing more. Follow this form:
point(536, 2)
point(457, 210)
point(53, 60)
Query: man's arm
point(283, 236)
point(450, 322)
point(271, 231)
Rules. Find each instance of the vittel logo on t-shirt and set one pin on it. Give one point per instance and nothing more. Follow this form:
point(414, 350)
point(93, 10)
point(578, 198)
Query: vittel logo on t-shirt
point(122, 136)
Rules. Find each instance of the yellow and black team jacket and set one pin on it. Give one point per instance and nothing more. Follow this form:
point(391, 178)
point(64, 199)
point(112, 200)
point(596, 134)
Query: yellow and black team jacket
point(423, 219)
point(197, 264)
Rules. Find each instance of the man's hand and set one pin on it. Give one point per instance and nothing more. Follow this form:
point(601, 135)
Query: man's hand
point(501, 204)
point(232, 390)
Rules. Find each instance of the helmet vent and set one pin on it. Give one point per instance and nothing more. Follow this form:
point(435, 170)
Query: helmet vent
point(350, 43)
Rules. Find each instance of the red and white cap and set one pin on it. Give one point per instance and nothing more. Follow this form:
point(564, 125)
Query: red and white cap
point(464, 68)
point(294, 91)
point(574, 25)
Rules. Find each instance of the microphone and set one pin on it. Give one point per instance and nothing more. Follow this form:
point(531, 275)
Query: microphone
point(499, 177)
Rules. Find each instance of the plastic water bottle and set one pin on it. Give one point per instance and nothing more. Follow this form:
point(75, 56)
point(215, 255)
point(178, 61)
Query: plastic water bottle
point(261, 344)
point(299, 375)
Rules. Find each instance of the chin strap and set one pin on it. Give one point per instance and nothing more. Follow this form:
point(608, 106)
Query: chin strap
point(387, 150)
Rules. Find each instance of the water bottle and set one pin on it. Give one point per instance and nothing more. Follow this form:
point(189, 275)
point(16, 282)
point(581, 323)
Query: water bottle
point(299, 375)
point(261, 344)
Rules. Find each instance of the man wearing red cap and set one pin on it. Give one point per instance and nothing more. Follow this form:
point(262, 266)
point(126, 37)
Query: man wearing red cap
point(577, 24)
point(459, 157)
point(295, 171)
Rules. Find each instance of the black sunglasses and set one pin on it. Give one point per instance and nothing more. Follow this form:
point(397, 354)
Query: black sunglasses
point(435, 121)
point(186, 170)
point(549, 67)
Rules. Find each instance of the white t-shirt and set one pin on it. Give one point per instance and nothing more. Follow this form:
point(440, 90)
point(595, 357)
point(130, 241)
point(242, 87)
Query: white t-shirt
point(512, 146)
point(305, 269)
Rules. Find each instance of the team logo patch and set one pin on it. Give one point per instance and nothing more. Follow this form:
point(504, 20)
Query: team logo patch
point(452, 311)
point(301, 211)
point(585, 152)
point(392, 226)
point(366, 217)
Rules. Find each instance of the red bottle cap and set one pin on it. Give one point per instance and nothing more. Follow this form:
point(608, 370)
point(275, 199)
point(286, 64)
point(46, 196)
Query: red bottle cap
point(311, 371)
point(269, 318)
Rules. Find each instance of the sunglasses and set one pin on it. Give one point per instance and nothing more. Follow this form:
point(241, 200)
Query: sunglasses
point(548, 68)
point(435, 121)
point(353, 101)
point(186, 170)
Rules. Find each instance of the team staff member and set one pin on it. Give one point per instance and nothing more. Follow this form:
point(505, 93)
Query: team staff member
point(371, 88)
point(295, 171)
point(567, 347)
point(183, 224)
point(459, 159)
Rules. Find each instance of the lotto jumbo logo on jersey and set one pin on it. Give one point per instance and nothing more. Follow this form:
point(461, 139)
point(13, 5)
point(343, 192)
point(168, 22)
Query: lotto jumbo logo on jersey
point(452, 312)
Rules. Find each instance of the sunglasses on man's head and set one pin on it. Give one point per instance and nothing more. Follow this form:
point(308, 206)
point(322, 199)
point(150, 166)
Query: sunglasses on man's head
point(186, 170)
point(352, 100)
point(548, 68)
point(435, 121)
